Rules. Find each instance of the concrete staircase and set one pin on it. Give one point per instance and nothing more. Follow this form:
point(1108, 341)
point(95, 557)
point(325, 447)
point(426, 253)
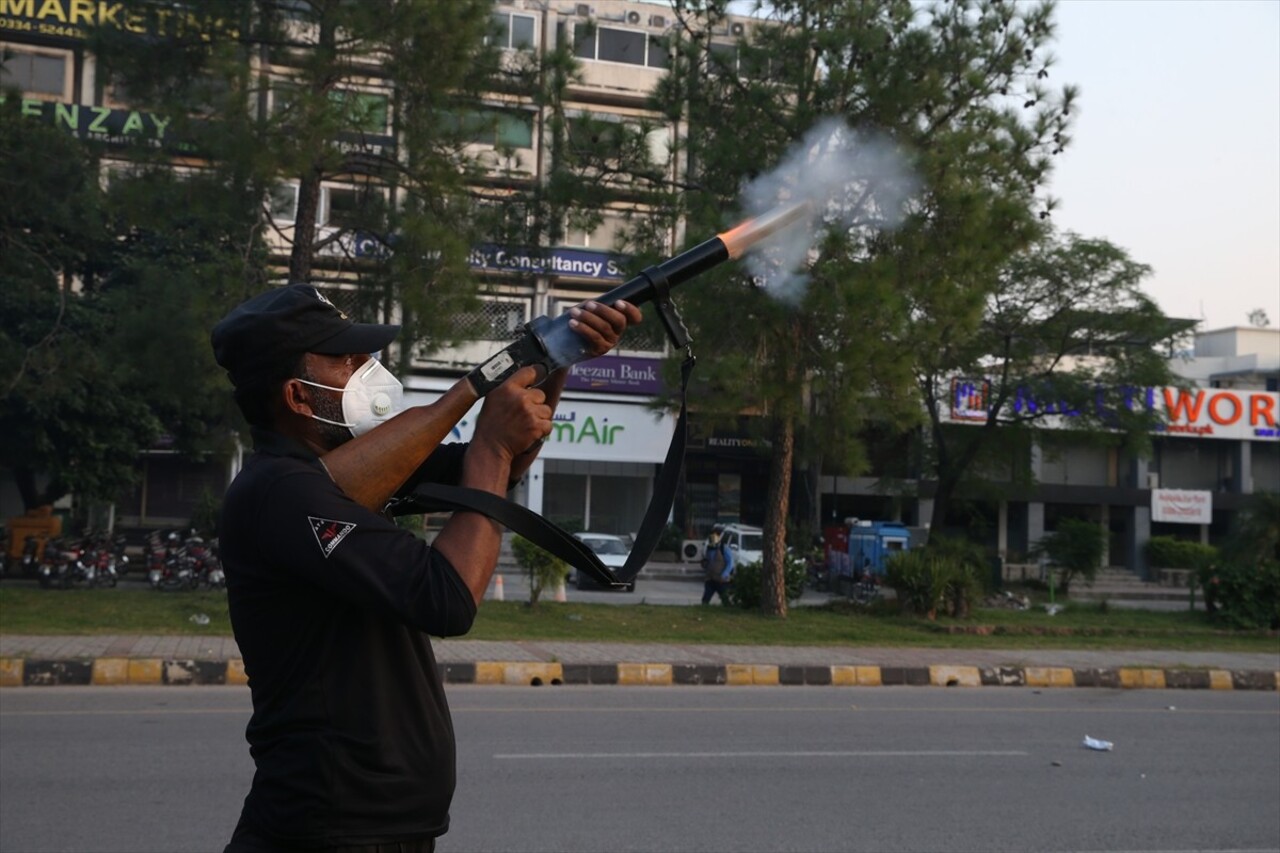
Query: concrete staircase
point(1120, 584)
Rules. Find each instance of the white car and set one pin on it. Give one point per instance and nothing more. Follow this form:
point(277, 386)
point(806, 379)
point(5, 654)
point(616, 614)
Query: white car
point(747, 543)
point(612, 551)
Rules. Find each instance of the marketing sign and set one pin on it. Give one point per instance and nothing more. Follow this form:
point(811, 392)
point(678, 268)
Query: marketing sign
point(617, 374)
point(1195, 412)
point(71, 20)
point(586, 430)
point(1182, 506)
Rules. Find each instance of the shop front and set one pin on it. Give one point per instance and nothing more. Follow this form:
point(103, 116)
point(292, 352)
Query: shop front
point(598, 467)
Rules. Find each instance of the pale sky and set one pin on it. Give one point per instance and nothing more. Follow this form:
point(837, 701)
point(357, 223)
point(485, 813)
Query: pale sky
point(1176, 150)
point(1175, 155)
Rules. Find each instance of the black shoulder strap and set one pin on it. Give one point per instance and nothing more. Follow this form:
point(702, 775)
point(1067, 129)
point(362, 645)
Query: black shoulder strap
point(554, 539)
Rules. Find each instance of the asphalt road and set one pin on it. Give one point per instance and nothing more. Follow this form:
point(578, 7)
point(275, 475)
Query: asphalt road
point(696, 769)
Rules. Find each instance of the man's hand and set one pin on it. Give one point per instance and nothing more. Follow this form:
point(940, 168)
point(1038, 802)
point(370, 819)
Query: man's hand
point(601, 326)
point(514, 416)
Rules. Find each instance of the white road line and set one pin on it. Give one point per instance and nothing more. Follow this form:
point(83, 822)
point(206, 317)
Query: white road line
point(919, 753)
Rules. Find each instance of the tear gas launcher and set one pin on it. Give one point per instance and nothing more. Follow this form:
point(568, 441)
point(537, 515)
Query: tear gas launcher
point(552, 344)
point(371, 468)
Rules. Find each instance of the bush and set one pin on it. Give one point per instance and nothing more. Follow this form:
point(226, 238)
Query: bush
point(543, 569)
point(1075, 549)
point(1244, 595)
point(1169, 552)
point(746, 590)
point(920, 580)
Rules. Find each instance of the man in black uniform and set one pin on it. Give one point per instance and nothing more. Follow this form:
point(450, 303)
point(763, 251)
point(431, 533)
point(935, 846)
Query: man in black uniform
point(331, 602)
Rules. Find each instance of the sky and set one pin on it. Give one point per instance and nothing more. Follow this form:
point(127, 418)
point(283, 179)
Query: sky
point(1175, 153)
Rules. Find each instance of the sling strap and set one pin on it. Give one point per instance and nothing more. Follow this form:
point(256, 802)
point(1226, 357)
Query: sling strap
point(555, 539)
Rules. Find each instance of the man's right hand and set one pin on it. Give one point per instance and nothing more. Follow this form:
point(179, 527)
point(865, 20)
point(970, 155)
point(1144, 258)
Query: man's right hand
point(515, 415)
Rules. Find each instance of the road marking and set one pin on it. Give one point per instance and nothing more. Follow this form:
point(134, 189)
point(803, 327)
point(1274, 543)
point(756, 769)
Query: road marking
point(919, 753)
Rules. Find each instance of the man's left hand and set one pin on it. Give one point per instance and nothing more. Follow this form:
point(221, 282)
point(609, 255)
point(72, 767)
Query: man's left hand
point(601, 326)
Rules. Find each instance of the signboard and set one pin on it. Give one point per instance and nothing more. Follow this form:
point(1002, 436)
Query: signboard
point(617, 374)
point(70, 20)
point(106, 125)
point(586, 430)
point(1195, 412)
point(1182, 506)
point(577, 263)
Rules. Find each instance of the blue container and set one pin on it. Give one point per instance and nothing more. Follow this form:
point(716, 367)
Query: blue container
point(871, 543)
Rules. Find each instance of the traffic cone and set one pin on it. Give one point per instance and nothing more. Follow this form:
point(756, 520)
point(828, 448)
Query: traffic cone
point(497, 588)
point(560, 596)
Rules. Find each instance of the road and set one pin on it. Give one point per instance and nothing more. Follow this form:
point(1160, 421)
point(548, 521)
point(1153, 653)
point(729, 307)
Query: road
point(694, 769)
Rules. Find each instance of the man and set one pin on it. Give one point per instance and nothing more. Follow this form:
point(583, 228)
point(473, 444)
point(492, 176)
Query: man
point(332, 603)
point(717, 564)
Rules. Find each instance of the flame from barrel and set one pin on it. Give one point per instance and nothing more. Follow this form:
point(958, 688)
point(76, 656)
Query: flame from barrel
point(743, 236)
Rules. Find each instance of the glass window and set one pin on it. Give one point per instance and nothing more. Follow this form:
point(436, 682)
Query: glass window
point(510, 31)
point(344, 207)
point(659, 56)
point(365, 111)
point(620, 46)
point(584, 41)
point(500, 128)
point(493, 320)
point(284, 202)
point(35, 73)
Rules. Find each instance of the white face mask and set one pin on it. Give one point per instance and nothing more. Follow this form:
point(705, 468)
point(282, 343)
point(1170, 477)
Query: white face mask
point(372, 395)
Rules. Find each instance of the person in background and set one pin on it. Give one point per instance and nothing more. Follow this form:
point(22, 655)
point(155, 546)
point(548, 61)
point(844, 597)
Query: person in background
point(717, 564)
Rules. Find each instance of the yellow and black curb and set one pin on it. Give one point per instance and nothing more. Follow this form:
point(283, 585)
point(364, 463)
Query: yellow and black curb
point(22, 672)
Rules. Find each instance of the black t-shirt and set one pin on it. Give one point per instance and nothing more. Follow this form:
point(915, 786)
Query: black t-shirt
point(332, 606)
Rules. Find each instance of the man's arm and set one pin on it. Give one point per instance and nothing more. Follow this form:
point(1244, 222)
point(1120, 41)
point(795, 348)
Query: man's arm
point(509, 432)
point(602, 327)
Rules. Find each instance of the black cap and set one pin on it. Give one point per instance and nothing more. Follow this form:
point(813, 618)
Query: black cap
point(260, 336)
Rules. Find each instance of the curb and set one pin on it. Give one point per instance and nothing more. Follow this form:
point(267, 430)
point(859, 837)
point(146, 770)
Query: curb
point(117, 671)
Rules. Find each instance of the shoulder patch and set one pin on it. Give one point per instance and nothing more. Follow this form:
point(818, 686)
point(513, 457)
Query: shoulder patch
point(329, 533)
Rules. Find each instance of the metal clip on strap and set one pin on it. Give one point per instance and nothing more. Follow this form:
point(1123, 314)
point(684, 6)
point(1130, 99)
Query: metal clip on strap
point(667, 313)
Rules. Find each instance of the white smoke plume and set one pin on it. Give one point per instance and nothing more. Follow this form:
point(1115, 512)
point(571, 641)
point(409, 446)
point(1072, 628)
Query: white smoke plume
point(852, 180)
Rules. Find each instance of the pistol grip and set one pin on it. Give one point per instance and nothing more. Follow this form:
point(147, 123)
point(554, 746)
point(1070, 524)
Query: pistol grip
point(672, 322)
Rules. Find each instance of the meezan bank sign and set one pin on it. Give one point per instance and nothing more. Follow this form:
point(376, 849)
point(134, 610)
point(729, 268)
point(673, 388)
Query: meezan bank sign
point(1196, 412)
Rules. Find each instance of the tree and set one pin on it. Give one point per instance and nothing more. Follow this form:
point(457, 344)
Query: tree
point(957, 92)
point(1075, 549)
point(345, 125)
point(1066, 335)
point(71, 417)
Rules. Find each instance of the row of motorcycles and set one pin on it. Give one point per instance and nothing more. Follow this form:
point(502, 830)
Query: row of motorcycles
point(173, 561)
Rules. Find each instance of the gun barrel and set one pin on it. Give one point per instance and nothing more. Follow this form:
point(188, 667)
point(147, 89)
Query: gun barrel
point(725, 246)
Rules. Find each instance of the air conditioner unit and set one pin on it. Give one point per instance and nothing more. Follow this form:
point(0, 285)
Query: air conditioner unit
point(633, 17)
point(691, 550)
point(583, 10)
point(657, 21)
point(737, 29)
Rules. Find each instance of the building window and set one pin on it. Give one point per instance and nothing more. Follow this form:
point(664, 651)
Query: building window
point(608, 44)
point(36, 73)
point(366, 112)
point(499, 128)
point(510, 31)
point(284, 202)
point(493, 320)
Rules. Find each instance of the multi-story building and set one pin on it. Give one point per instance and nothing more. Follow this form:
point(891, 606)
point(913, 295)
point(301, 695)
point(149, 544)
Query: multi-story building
point(1221, 444)
point(598, 468)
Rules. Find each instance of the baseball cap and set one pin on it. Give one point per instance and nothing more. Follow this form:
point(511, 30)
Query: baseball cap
point(262, 334)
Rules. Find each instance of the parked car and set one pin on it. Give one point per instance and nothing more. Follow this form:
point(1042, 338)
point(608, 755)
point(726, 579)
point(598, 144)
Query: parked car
point(747, 543)
point(612, 551)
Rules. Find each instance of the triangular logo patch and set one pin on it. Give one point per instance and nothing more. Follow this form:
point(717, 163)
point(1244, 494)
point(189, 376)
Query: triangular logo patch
point(329, 533)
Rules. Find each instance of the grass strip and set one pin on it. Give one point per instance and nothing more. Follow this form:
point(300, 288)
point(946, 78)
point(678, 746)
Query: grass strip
point(145, 611)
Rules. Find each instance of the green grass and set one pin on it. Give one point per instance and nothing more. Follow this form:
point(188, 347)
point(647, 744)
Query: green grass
point(35, 611)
